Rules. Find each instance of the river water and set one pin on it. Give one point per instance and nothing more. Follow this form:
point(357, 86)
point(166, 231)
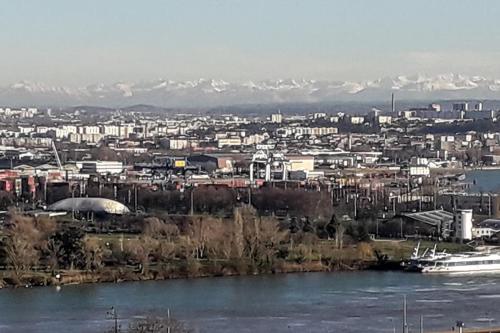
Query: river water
point(485, 180)
point(311, 302)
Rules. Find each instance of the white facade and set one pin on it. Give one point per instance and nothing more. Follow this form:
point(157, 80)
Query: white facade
point(111, 130)
point(126, 130)
point(65, 131)
point(254, 139)
point(463, 224)
point(89, 130)
point(225, 142)
point(100, 167)
point(277, 118)
point(314, 130)
point(178, 144)
point(89, 138)
point(26, 129)
point(384, 119)
point(420, 170)
point(357, 120)
point(483, 232)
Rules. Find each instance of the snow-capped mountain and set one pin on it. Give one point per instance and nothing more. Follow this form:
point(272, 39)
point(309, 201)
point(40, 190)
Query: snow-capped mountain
point(209, 92)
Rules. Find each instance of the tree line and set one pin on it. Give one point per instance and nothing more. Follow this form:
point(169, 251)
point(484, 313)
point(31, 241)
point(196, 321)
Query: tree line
point(243, 243)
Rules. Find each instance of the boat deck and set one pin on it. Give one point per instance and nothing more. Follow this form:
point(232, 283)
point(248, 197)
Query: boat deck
point(474, 330)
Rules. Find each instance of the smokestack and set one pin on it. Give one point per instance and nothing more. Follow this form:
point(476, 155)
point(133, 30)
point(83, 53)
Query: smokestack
point(393, 103)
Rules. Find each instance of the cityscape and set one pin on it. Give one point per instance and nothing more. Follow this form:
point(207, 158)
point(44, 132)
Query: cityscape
point(337, 203)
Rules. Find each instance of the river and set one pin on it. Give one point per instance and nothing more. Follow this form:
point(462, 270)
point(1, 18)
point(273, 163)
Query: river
point(485, 180)
point(311, 302)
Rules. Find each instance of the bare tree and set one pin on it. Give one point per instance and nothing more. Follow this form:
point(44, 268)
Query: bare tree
point(26, 240)
point(260, 236)
point(339, 232)
point(21, 253)
point(54, 252)
point(156, 228)
point(157, 325)
point(93, 253)
point(140, 250)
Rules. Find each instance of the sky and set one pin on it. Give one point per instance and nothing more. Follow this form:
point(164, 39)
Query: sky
point(75, 43)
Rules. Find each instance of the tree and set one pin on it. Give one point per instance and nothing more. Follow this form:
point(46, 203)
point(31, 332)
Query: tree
point(365, 251)
point(211, 237)
point(165, 251)
point(213, 200)
point(7, 200)
point(54, 252)
point(259, 237)
point(156, 228)
point(69, 242)
point(57, 192)
point(93, 253)
point(26, 240)
point(340, 228)
point(104, 154)
point(20, 252)
point(299, 203)
point(140, 251)
point(157, 325)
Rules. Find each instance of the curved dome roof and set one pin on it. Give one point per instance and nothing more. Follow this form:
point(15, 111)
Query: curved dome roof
point(96, 205)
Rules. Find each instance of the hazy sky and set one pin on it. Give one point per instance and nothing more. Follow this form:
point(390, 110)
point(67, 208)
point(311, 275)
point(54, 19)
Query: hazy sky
point(66, 42)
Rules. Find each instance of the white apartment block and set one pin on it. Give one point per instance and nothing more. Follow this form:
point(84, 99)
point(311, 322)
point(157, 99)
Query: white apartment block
point(89, 129)
point(65, 131)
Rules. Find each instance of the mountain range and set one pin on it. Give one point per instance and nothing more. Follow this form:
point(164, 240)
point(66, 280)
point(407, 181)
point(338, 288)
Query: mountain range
point(210, 92)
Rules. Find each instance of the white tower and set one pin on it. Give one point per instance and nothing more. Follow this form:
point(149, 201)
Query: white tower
point(463, 224)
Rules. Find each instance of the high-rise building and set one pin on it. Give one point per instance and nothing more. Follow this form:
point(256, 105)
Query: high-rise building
point(277, 118)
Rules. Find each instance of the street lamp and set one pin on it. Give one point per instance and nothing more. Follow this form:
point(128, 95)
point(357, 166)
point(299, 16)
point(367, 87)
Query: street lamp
point(460, 325)
point(490, 319)
point(111, 314)
point(393, 325)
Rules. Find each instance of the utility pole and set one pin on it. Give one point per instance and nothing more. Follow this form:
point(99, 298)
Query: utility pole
point(356, 206)
point(249, 195)
point(393, 325)
point(489, 204)
point(405, 320)
point(401, 225)
point(113, 315)
point(135, 198)
point(192, 201)
point(72, 204)
point(421, 324)
point(45, 190)
point(168, 317)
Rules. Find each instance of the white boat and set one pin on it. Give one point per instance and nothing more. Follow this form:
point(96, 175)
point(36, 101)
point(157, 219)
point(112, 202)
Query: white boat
point(466, 262)
point(428, 257)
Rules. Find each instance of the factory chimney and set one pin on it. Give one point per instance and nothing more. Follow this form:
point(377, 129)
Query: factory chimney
point(393, 103)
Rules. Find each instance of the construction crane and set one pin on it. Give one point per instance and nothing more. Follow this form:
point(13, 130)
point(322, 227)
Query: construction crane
point(56, 154)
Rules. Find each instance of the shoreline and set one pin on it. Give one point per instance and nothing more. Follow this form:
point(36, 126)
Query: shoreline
point(484, 168)
point(124, 274)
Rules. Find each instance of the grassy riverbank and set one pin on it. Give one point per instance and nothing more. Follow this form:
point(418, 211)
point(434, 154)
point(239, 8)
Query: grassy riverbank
point(352, 258)
point(181, 270)
point(44, 251)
